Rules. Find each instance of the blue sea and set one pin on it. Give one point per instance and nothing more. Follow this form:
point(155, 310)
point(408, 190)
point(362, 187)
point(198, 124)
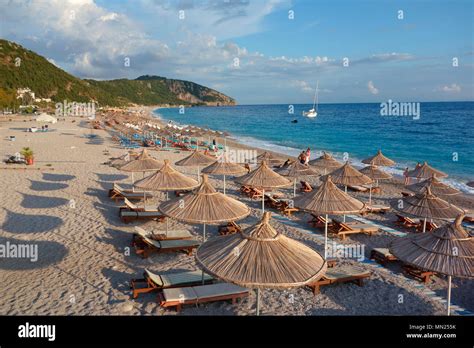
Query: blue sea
point(443, 134)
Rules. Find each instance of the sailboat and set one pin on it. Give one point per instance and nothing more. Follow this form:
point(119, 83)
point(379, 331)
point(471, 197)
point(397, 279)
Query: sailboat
point(312, 113)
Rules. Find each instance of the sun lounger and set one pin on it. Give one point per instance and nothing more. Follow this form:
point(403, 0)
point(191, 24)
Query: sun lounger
point(376, 208)
point(342, 274)
point(281, 205)
point(130, 212)
point(118, 193)
point(418, 273)
point(407, 194)
point(319, 221)
point(342, 229)
point(255, 193)
point(305, 187)
point(162, 235)
point(469, 218)
point(178, 297)
point(430, 226)
point(155, 282)
point(358, 188)
point(162, 246)
point(405, 221)
point(382, 255)
point(245, 190)
point(229, 228)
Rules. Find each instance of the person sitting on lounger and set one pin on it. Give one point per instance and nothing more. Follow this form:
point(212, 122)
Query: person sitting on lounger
point(302, 157)
point(247, 166)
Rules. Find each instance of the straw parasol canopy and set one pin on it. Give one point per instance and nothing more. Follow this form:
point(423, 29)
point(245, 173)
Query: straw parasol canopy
point(205, 205)
point(260, 257)
point(325, 161)
point(437, 187)
point(265, 178)
point(328, 199)
point(376, 174)
point(426, 205)
point(447, 250)
point(167, 179)
point(348, 175)
point(379, 160)
point(196, 159)
point(294, 170)
point(143, 163)
point(425, 171)
point(223, 166)
point(269, 158)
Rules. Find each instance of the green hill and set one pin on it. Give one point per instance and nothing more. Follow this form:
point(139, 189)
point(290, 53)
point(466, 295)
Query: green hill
point(22, 68)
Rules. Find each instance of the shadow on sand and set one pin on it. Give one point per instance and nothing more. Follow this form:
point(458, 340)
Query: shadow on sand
point(23, 223)
point(41, 202)
point(57, 177)
point(46, 186)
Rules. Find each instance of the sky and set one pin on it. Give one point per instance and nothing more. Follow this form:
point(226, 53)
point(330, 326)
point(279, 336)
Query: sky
point(261, 51)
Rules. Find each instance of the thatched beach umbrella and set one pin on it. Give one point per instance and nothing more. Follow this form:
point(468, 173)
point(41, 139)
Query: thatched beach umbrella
point(328, 199)
point(348, 175)
point(437, 187)
point(326, 162)
point(264, 178)
point(196, 159)
point(143, 163)
point(447, 250)
point(379, 160)
point(223, 166)
point(425, 171)
point(260, 257)
point(426, 205)
point(294, 170)
point(167, 179)
point(376, 174)
point(269, 158)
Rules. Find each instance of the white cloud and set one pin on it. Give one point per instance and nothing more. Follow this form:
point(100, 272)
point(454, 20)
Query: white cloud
point(372, 88)
point(453, 88)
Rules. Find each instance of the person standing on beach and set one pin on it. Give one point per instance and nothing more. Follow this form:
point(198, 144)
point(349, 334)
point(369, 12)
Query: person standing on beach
point(308, 154)
point(405, 174)
point(302, 157)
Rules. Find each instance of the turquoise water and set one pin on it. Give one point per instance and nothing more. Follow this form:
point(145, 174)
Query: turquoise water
point(443, 134)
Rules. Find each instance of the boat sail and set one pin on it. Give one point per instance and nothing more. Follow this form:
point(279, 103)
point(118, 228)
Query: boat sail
point(313, 112)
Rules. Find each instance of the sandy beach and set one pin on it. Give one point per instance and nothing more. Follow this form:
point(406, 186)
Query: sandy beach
point(85, 259)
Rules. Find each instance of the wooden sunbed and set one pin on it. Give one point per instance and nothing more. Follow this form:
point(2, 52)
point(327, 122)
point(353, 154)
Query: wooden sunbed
point(418, 273)
point(150, 246)
point(342, 229)
point(245, 189)
point(178, 297)
point(229, 228)
point(140, 233)
point(118, 193)
point(154, 282)
point(469, 218)
point(382, 255)
point(430, 226)
point(342, 274)
point(305, 187)
point(281, 205)
point(405, 221)
point(376, 208)
point(130, 212)
point(358, 188)
point(255, 193)
point(319, 221)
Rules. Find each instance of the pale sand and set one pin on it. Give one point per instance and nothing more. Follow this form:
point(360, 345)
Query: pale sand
point(84, 267)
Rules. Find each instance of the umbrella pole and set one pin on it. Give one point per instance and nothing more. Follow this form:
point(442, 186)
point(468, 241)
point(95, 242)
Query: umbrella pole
point(424, 225)
point(263, 201)
point(203, 240)
point(224, 183)
point(133, 184)
point(198, 174)
point(449, 295)
point(370, 194)
point(294, 187)
point(326, 237)
point(258, 301)
point(167, 222)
